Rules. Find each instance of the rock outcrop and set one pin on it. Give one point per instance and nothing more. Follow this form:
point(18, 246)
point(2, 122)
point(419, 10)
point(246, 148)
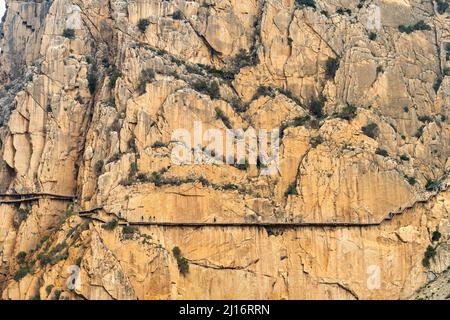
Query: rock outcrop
point(92, 205)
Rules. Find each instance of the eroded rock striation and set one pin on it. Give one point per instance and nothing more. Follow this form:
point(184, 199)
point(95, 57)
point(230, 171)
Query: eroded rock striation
point(92, 205)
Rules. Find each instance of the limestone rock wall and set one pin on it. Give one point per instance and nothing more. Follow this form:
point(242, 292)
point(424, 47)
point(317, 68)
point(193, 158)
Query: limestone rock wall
point(93, 90)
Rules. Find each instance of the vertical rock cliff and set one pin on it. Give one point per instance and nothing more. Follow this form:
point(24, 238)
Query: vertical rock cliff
point(92, 206)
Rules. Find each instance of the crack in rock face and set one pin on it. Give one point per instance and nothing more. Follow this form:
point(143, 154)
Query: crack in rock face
point(99, 98)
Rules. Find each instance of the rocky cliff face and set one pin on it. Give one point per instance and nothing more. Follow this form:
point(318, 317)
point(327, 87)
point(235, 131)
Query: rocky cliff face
point(92, 205)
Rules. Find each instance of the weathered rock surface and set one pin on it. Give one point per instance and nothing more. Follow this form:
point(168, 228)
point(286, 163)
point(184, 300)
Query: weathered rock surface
point(92, 91)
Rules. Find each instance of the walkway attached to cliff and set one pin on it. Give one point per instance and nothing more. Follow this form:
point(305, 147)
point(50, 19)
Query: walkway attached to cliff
point(91, 214)
point(249, 224)
point(17, 198)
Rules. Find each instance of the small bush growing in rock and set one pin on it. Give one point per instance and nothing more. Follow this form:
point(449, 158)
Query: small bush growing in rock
point(214, 90)
point(343, 11)
point(183, 263)
point(372, 36)
point(331, 67)
point(348, 113)
point(114, 158)
point(272, 231)
point(59, 247)
point(49, 289)
point(288, 93)
point(44, 259)
point(195, 69)
point(404, 157)
point(243, 166)
point(431, 185)
point(264, 91)
point(142, 177)
point(243, 59)
point(411, 180)
point(200, 85)
point(238, 106)
point(442, 6)
point(316, 141)
point(157, 179)
point(421, 25)
point(183, 266)
point(114, 74)
point(306, 3)
point(22, 272)
point(419, 133)
point(316, 106)
point(57, 295)
point(126, 182)
point(209, 88)
point(176, 252)
point(92, 82)
point(425, 119)
point(23, 213)
point(69, 33)
point(380, 70)
point(98, 167)
point(292, 190)
point(133, 170)
point(230, 186)
point(220, 115)
point(62, 256)
point(301, 121)
point(283, 127)
point(21, 257)
point(177, 15)
point(430, 253)
point(128, 231)
point(143, 25)
point(436, 236)
point(115, 126)
point(132, 144)
point(447, 47)
point(371, 130)
point(147, 75)
point(111, 225)
point(224, 74)
point(158, 144)
point(205, 182)
point(382, 152)
point(437, 84)
point(36, 297)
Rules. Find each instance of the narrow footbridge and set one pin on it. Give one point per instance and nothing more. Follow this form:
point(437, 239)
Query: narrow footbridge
point(18, 198)
point(92, 214)
point(277, 225)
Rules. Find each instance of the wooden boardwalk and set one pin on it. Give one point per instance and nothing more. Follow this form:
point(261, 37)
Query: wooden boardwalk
point(17, 198)
point(278, 225)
